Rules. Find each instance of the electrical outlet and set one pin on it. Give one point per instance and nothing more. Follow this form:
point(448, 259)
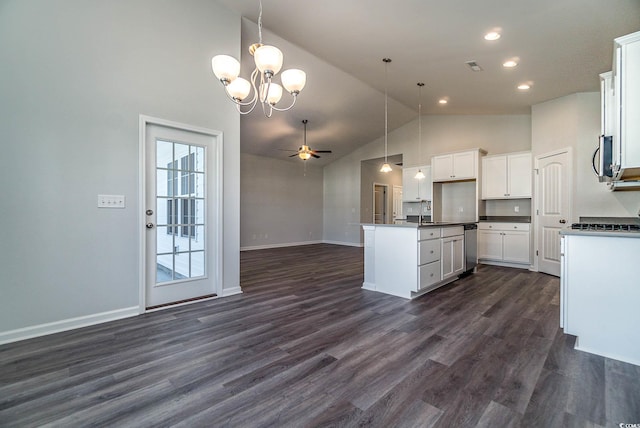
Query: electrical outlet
point(516, 209)
point(461, 209)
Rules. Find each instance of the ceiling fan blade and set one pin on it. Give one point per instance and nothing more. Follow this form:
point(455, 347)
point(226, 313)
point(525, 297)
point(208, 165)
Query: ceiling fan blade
point(293, 155)
point(314, 155)
point(287, 150)
point(322, 151)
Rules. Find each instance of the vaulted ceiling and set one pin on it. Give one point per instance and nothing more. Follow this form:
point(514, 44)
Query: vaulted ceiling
point(561, 47)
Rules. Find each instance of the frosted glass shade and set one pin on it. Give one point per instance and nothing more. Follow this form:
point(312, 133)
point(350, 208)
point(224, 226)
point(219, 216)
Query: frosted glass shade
point(304, 155)
point(293, 80)
point(239, 88)
point(274, 95)
point(419, 175)
point(386, 168)
point(225, 67)
point(268, 58)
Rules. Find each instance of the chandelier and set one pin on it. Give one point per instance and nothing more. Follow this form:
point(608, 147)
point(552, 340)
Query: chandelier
point(385, 167)
point(268, 61)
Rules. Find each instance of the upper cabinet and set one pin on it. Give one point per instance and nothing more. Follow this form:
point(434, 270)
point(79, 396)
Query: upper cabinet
point(413, 189)
point(506, 176)
point(626, 88)
point(455, 166)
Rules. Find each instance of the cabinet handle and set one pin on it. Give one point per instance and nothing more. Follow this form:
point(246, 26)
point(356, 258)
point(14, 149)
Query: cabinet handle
point(431, 251)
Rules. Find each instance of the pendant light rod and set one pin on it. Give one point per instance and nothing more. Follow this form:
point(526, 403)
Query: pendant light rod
point(420, 175)
point(386, 167)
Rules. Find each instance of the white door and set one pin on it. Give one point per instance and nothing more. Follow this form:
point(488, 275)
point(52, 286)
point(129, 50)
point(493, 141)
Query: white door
point(553, 205)
point(397, 202)
point(182, 214)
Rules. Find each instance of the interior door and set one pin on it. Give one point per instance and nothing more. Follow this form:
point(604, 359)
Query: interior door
point(182, 209)
point(397, 202)
point(379, 204)
point(553, 206)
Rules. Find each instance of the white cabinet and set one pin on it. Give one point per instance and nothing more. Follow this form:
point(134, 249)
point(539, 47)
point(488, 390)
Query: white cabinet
point(455, 166)
point(599, 295)
point(452, 252)
point(626, 83)
point(506, 176)
point(428, 258)
point(504, 243)
point(413, 189)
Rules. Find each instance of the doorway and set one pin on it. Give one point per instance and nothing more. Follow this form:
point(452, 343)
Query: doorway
point(380, 204)
point(553, 205)
point(181, 213)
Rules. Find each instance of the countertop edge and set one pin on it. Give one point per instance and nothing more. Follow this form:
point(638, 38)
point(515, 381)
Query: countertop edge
point(599, 233)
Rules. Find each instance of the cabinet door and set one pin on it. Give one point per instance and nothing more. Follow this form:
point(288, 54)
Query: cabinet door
point(424, 185)
point(464, 165)
point(494, 177)
point(516, 247)
point(409, 185)
point(458, 255)
point(489, 244)
point(519, 175)
point(629, 98)
point(446, 257)
point(428, 274)
point(442, 168)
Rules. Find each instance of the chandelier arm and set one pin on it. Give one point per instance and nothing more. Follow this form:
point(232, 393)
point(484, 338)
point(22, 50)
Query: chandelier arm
point(287, 108)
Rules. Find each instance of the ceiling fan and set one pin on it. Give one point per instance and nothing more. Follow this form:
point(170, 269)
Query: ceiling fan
point(305, 152)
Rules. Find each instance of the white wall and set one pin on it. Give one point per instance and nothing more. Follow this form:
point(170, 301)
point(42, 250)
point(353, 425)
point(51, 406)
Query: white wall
point(440, 134)
point(280, 202)
point(76, 75)
point(574, 121)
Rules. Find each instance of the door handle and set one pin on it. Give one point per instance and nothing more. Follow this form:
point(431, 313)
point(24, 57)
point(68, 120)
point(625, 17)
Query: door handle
point(149, 225)
point(563, 221)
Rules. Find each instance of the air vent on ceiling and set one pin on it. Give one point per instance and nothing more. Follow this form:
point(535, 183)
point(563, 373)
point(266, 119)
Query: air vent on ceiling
point(473, 66)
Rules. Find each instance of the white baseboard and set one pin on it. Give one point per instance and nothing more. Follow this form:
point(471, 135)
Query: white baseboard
point(231, 291)
point(64, 325)
point(368, 286)
point(349, 244)
point(288, 244)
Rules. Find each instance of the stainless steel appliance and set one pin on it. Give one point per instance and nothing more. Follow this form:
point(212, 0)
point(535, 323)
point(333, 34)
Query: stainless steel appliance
point(470, 246)
point(604, 153)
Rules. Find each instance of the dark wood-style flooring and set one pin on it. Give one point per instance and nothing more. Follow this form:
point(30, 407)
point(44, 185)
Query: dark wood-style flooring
point(305, 346)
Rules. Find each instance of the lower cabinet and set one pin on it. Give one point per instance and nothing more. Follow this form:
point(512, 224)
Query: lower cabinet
point(452, 252)
point(507, 243)
point(428, 258)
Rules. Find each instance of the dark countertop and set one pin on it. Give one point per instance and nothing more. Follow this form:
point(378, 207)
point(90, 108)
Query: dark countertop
point(505, 218)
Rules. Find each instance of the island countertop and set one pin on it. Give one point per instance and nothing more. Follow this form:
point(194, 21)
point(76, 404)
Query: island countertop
point(416, 225)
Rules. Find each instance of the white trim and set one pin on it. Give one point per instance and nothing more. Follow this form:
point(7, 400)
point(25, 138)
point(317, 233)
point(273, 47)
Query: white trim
point(226, 292)
point(348, 244)
point(288, 244)
point(64, 325)
point(145, 120)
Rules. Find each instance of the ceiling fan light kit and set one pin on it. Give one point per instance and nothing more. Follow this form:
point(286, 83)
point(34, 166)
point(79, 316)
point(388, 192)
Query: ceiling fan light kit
point(268, 60)
point(305, 152)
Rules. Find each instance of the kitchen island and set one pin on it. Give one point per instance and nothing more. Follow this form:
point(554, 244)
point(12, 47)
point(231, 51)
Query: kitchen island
point(410, 259)
point(600, 292)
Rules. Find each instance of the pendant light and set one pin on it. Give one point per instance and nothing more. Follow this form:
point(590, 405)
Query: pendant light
point(385, 167)
point(420, 174)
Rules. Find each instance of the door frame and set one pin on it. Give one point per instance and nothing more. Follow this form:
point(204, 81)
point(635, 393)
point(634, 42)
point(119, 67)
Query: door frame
point(536, 198)
point(216, 271)
point(385, 215)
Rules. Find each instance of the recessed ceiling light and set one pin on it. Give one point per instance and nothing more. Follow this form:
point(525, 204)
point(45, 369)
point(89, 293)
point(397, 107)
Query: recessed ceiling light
point(442, 101)
point(524, 87)
point(510, 63)
point(492, 35)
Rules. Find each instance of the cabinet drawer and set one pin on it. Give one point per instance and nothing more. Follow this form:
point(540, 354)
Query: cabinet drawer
point(429, 233)
point(429, 274)
point(521, 227)
point(429, 251)
point(452, 231)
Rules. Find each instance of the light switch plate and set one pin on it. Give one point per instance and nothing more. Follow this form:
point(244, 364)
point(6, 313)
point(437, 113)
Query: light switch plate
point(111, 201)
